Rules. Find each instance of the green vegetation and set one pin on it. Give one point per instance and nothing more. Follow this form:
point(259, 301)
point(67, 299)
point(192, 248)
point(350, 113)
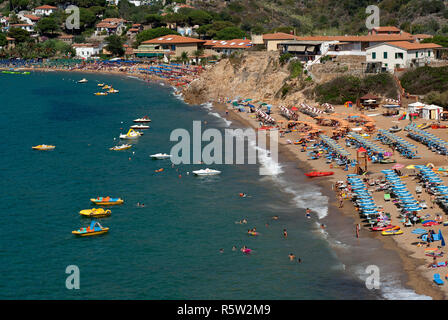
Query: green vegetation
point(439, 39)
point(350, 88)
point(296, 68)
point(425, 79)
point(115, 45)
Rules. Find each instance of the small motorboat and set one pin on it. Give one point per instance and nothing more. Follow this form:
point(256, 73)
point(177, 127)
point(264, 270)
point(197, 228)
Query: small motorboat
point(95, 228)
point(100, 84)
point(392, 232)
point(95, 213)
point(43, 147)
point(395, 129)
point(159, 170)
point(132, 134)
point(83, 80)
point(107, 201)
point(106, 87)
point(112, 90)
point(121, 147)
point(319, 174)
point(143, 120)
point(140, 126)
point(206, 172)
point(160, 156)
point(101, 93)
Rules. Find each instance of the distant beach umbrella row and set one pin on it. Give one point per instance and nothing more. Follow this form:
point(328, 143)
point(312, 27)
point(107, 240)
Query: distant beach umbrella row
point(309, 110)
point(263, 116)
point(330, 143)
point(407, 200)
point(368, 145)
point(362, 197)
point(433, 142)
point(391, 139)
point(329, 108)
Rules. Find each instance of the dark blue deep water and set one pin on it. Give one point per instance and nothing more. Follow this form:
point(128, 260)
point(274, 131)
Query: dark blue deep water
point(170, 248)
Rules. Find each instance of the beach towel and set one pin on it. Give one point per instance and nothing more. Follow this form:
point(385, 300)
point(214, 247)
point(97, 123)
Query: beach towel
point(386, 197)
point(419, 231)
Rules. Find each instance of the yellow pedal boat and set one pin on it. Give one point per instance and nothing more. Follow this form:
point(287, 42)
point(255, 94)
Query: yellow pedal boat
point(100, 84)
point(392, 232)
point(107, 201)
point(94, 229)
point(95, 212)
point(43, 147)
point(101, 93)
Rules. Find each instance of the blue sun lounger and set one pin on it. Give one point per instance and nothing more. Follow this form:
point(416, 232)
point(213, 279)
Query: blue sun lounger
point(437, 279)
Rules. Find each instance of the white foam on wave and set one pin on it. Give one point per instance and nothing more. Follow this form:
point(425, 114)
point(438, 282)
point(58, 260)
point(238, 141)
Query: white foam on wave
point(311, 197)
point(391, 287)
point(178, 94)
point(209, 106)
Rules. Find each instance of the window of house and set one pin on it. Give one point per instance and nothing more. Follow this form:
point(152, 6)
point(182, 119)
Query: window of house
point(373, 55)
point(385, 55)
point(398, 55)
point(429, 53)
point(416, 54)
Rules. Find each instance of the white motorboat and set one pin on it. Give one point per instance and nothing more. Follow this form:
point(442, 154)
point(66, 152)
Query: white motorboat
point(206, 172)
point(83, 80)
point(160, 156)
point(140, 126)
point(130, 135)
point(143, 120)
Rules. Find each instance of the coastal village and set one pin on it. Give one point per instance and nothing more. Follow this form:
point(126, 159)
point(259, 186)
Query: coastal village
point(383, 155)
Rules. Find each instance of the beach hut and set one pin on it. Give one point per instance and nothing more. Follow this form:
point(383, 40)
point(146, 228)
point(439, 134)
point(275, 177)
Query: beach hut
point(414, 109)
point(431, 112)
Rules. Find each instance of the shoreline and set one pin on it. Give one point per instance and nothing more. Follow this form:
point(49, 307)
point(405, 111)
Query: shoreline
point(412, 266)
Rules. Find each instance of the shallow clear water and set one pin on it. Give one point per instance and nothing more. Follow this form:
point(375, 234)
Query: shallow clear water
point(170, 248)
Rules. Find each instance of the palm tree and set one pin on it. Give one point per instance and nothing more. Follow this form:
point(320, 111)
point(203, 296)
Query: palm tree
point(184, 56)
point(197, 54)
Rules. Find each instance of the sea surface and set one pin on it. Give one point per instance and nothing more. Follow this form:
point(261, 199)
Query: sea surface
point(169, 249)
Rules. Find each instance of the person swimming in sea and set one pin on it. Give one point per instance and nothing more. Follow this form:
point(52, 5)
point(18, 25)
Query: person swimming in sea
point(221, 250)
point(291, 257)
point(285, 233)
point(275, 218)
point(308, 213)
point(233, 248)
point(322, 226)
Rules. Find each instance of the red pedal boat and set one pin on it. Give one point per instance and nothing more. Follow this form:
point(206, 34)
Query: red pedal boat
point(319, 174)
point(382, 228)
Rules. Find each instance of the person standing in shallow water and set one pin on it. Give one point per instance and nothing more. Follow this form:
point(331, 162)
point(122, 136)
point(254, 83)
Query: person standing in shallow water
point(285, 233)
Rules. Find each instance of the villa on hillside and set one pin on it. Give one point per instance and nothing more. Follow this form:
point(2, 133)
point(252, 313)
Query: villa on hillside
point(169, 45)
point(45, 10)
point(272, 40)
point(400, 54)
point(67, 38)
point(227, 47)
point(28, 18)
point(110, 26)
point(24, 26)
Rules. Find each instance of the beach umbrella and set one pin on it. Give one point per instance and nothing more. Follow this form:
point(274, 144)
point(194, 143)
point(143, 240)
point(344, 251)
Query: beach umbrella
point(295, 109)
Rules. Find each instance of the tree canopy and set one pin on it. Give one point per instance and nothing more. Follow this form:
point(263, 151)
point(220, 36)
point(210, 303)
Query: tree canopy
point(115, 45)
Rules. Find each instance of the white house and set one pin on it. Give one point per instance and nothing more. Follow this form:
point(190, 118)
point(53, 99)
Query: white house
point(86, 50)
point(400, 54)
point(45, 10)
point(28, 18)
point(23, 26)
point(427, 112)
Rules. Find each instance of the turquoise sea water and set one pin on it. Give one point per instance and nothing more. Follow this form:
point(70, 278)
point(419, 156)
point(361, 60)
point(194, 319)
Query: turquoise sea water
point(170, 248)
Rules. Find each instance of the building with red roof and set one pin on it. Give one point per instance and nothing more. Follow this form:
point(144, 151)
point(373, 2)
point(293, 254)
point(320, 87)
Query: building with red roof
point(172, 45)
point(45, 10)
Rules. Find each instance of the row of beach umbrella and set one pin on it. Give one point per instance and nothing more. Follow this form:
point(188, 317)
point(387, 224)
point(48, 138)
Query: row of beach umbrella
point(404, 147)
point(363, 198)
point(334, 146)
point(265, 117)
point(368, 145)
point(433, 142)
point(400, 189)
point(309, 110)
